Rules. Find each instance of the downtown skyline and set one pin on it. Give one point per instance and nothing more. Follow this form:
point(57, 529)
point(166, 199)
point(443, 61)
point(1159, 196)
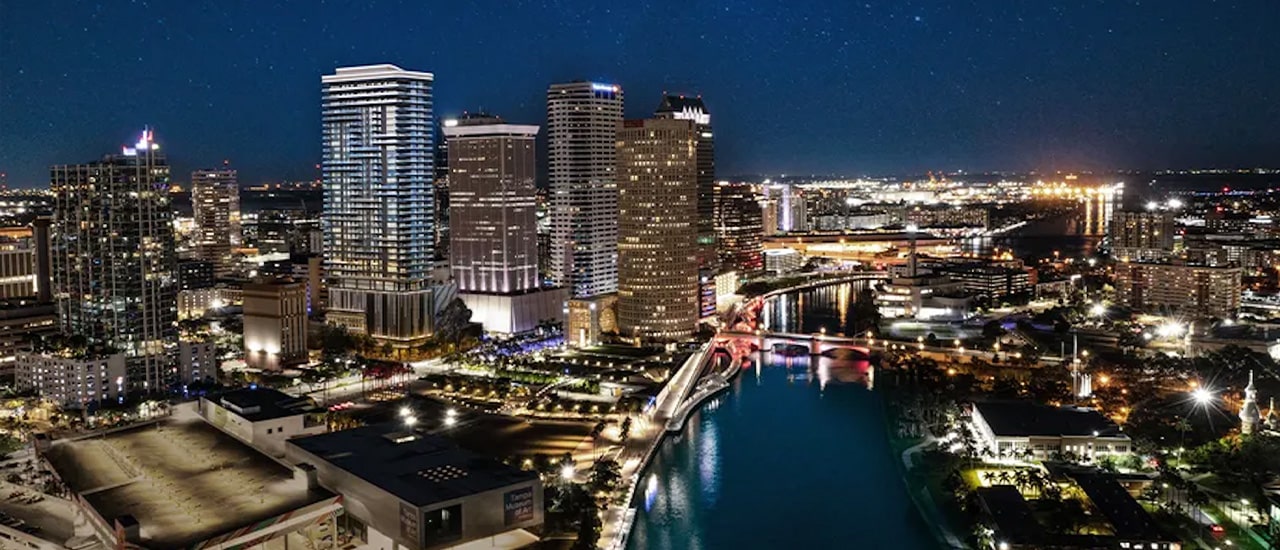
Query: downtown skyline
point(880, 88)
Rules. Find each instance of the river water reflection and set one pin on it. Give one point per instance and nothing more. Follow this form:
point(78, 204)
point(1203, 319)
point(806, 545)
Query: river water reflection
point(794, 455)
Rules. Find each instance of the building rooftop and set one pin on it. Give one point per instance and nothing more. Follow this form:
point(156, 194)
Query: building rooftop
point(1023, 418)
point(1127, 518)
point(183, 480)
point(256, 404)
point(1012, 515)
point(418, 468)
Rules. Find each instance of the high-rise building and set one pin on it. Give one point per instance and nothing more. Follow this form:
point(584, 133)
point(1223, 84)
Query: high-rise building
point(793, 213)
point(1179, 288)
point(492, 172)
point(769, 217)
point(692, 108)
point(114, 259)
point(275, 323)
point(582, 130)
point(493, 246)
point(378, 203)
point(657, 229)
point(215, 205)
point(739, 226)
point(1142, 235)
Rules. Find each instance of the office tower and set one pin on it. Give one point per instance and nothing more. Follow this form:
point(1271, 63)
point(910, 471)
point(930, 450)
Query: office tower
point(769, 216)
point(739, 226)
point(378, 204)
point(582, 130)
point(114, 261)
point(493, 246)
point(492, 171)
point(692, 108)
point(18, 263)
point(1179, 288)
point(275, 323)
point(1142, 235)
point(215, 205)
point(657, 229)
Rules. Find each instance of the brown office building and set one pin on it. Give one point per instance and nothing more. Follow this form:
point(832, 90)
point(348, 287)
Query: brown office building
point(275, 324)
point(493, 241)
point(657, 229)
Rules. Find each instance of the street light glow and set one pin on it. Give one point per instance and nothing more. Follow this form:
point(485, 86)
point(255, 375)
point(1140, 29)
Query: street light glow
point(1098, 310)
point(567, 472)
point(1171, 329)
point(1202, 396)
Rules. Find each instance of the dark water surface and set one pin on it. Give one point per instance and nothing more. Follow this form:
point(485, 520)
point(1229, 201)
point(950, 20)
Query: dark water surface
point(794, 455)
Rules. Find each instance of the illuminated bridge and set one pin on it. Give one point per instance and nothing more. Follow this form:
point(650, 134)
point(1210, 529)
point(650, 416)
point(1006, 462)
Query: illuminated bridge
point(817, 344)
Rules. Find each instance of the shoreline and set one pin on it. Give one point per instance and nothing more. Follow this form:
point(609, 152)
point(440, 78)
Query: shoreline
point(694, 404)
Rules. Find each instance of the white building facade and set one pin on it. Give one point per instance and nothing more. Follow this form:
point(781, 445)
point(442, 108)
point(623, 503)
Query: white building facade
point(377, 162)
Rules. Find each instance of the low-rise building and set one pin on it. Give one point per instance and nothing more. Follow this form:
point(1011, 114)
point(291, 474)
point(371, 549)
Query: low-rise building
point(1011, 428)
point(72, 381)
point(991, 281)
point(197, 361)
point(20, 323)
point(420, 492)
point(587, 319)
point(1179, 288)
point(263, 417)
point(780, 261)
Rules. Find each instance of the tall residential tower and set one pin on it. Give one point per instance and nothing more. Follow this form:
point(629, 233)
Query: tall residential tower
point(215, 202)
point(582, 128)
point(658, 229)
point(114, 259)
point(378, 202)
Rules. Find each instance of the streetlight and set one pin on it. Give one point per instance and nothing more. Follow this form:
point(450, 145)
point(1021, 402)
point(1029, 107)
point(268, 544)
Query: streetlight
point(410, 421)
point(567, 472)
point(1098, 310)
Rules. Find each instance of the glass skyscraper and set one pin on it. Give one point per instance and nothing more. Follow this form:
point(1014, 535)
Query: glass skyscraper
point(378, 169)
point(115, 266)
point(582, 131)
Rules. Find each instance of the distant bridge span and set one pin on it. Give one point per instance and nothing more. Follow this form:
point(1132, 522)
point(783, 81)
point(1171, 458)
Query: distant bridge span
point(818, 344)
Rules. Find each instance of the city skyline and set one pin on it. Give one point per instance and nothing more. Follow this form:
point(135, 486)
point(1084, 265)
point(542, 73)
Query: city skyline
point(900, 88)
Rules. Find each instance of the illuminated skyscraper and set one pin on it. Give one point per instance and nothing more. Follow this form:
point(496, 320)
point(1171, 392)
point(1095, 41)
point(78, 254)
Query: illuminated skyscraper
point(215, 202)
point(582, 130)
point(493, 247)
point(657, 229)
point(739, 225)
point(692, 108)
point(114, 261)
point(378, 204)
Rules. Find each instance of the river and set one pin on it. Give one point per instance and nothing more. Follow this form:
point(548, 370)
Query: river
point(793, 455)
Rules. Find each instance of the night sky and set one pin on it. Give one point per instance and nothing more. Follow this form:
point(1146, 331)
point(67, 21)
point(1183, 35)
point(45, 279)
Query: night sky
point(794, 86)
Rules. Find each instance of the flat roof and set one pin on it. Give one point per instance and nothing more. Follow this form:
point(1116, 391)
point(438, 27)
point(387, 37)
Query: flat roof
point(420, 469)
point(1024, 418)
point(1013, 517)
point(1126, 516)
point(257, 403)
point(183, 480)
